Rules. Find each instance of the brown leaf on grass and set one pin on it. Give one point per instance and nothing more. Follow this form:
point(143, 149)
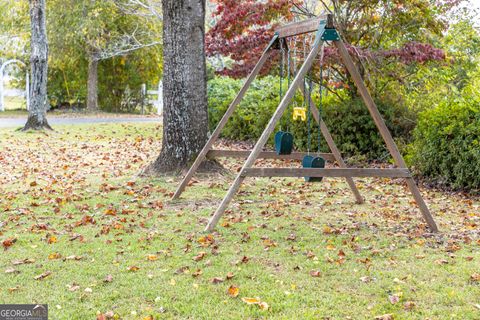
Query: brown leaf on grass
point(230, 276)
point(441, 261)
point(475, 277)
point(24, 261)
point(315, 273)
point(217, 280)
point(74, 257)
point(199, 256)
point(206, 241)
point(152, 257)
point(12, 270)
point(292, 237)
point(385, 317)
point(366, 279)
point(197, 273)
point(267, 243)
point(182, 270)
point(262, 305)
point(250, 300)
point(52, 239)
point(233, 291)
point(133, 268)
point(110, 212)
point(11, 290)
point(54, 256)
point(393, 298)
point(73, 287)
point(43, 275)
point(8, 243)
point(409, 305)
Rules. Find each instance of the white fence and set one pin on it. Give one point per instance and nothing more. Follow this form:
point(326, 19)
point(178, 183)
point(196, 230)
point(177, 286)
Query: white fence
point(158, 94)
point(13, 92)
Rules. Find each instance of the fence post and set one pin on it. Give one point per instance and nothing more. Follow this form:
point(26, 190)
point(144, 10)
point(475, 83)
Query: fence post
point(144, 94)
point(2, 105)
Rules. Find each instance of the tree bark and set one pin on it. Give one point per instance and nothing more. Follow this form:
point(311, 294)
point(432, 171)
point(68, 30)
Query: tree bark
point(92, 85)
point(185, 122)
point(37, 113)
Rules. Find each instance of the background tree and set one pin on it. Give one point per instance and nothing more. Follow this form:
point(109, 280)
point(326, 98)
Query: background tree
point(185, 122)
point(98, 31)
point(37, 115)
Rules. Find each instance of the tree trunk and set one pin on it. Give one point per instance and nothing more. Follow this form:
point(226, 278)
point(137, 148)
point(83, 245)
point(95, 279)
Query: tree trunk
point(92, 85)
point(37, 113)
point(185, 122)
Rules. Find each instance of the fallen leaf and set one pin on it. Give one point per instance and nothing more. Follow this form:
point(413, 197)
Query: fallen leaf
point(441, 261)
point(475, 277)
point(54, 256)
point(263, 305)
point(251, 300)
point(197, 273)
point(315, 273)
point(230, 276)
point(8, 243)
point(43, 275)
point(133, 268)
point(199, 256)
point(11, 290)
point(152, 257)
point(24, 261)
point(393, 299)
point(366, 279)
point(233, 291)
point(409, 305)
point(73, 287)
point(52, 239)
point(385, 317)
point(216, 280)
point(108, 278)
point(12, 270)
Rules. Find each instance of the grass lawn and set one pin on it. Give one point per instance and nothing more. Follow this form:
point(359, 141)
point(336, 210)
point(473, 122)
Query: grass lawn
point(83, 233)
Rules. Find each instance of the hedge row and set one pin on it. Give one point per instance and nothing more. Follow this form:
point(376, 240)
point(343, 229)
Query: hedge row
point(349, 121)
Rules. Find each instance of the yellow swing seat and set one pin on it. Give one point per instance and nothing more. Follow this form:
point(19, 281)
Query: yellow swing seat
point(300, 112)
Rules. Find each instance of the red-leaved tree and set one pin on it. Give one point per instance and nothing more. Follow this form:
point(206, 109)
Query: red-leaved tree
point(375, 31)
point(243, 30)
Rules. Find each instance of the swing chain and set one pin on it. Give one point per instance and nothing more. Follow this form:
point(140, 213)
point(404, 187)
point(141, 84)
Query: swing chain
point(320, 107)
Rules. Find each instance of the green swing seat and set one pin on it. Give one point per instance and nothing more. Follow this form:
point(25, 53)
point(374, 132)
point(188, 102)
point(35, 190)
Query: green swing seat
point(313, 162)
point(283, 142)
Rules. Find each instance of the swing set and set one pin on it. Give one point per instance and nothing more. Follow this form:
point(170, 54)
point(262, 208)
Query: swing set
point(313, 164)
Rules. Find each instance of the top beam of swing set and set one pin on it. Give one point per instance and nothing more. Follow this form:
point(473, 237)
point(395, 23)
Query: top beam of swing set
point(303, 27)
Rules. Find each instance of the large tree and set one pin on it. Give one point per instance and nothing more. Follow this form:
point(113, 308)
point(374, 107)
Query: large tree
point(185, 122)
point(37, 116)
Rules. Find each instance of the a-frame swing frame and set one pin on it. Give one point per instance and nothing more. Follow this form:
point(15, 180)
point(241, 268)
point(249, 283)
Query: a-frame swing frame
point(324, 26)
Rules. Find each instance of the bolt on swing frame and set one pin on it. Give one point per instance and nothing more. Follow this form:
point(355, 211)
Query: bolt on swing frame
point(325, 29)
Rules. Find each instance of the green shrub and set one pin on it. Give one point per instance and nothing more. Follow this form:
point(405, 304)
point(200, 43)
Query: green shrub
point(349, 121)
point(446, 147)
